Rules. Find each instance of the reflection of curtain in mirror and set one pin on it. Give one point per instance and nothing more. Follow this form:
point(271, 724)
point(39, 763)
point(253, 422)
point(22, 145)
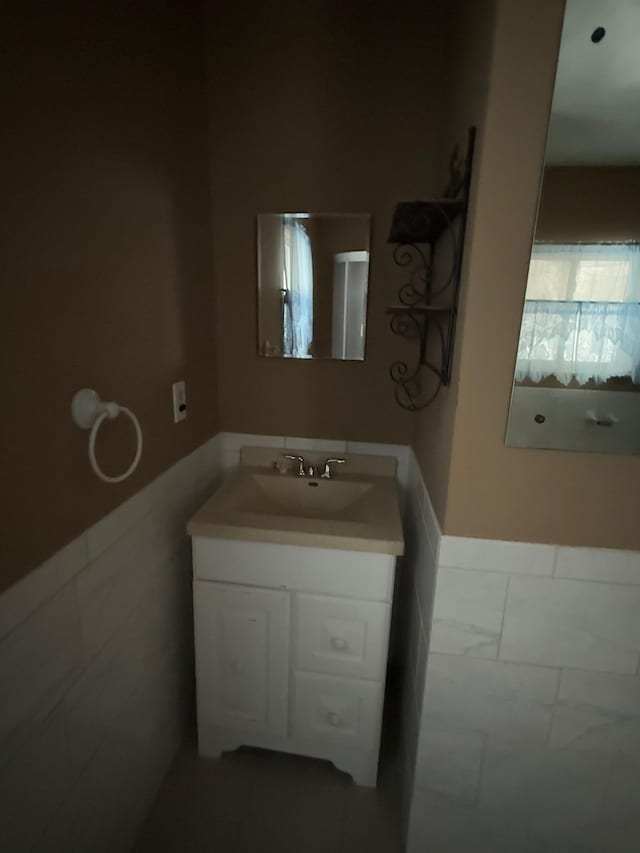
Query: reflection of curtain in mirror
point(581, 317)
point(297, 276)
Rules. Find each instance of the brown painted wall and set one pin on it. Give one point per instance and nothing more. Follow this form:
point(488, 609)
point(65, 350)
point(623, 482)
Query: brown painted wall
point(495, 491)
point(580, 203)
point(330, 107)
point(107, 276)
point(469, 55)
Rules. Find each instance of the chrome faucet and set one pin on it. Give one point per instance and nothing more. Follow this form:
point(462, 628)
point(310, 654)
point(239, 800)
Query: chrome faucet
point(301, 472)
point(327, 473)
point(323, 471)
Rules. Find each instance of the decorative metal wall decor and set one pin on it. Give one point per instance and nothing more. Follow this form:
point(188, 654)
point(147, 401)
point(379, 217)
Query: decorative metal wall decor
point(416, 229)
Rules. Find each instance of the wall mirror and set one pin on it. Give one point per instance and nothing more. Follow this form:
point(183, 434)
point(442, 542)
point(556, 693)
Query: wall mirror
point(577, 375)
point(313, 276)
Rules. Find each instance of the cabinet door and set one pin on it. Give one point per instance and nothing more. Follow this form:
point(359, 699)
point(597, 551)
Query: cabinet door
point(242, 656)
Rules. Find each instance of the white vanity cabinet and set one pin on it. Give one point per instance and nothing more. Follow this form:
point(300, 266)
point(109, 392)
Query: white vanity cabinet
point(291, 650)
point(243, 656)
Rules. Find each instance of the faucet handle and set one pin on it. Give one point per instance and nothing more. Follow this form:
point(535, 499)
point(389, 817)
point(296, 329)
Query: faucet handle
point(326, 473)
point(299, 460)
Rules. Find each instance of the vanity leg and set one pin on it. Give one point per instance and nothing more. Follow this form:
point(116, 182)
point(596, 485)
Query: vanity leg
point(363, 768)
point(212, 742)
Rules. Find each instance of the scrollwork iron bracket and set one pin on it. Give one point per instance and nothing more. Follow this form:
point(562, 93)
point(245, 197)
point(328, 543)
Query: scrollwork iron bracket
point(418, 230)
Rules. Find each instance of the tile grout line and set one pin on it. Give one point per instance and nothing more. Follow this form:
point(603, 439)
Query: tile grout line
point(556, 700)
point(504, 616)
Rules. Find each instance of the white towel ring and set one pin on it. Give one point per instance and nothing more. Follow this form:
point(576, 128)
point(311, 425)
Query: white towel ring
point(89, 412)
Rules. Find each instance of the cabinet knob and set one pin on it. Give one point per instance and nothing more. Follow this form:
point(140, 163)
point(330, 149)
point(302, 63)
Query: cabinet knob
point(338, 643)
point(334, 719)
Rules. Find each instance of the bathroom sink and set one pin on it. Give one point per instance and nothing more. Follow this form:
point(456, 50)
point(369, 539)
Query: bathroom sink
point(274, 494)
point(355, 510)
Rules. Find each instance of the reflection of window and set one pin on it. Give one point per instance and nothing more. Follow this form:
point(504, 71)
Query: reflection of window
point(297, 290)
point(582, 314)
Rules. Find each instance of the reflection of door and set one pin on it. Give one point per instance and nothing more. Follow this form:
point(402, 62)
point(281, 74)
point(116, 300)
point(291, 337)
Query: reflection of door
point(350, 275)
point(242, 648)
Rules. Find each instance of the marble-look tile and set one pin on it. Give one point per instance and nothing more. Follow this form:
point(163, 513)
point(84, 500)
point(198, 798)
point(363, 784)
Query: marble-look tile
point(230, 460)
point(448, 763)
point(39, 660)
point(323, 445)
point(598, 711)
point(149, 637)
point(111, 587)
point(492, 555)
point(33, 782)
point(432, 525)
point(414, 631)
point(208, 466)
point(599, 564)
point(403, 473)
point(400, 451)
point(420, 677)
point(555, 795)
point(31, 591)
point(439, 824)
point(619, 829)
point(236, 440)
point(113, 526)
point(572, 624)
point(508, 701)
point(468, 611)
point(415, 482)
point(424, 575)
point(106, 798)
point(410, 724)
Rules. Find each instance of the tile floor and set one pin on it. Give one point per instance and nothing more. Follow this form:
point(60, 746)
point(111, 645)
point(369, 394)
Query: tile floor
point(267, 802)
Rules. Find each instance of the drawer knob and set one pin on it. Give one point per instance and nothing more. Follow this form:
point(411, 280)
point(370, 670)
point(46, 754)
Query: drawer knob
point(334, 719)
point(338, 643)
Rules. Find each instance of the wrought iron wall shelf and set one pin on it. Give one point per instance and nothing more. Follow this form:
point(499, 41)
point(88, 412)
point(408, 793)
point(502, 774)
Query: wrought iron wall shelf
point(418, 229)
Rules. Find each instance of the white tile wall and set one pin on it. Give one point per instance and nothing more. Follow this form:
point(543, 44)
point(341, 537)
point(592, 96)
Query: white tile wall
point(449, 763)
point(572, 623)
point(597, 711)
point(39, 661)
point(520, 706)
point(96, 649)
point(508, 701)
point(26, 596)
point(417, 583)
point(320, 444)
point(469, 608)
point(551, 794)
point(529, 732)
point(598, 564)
point(95, 671)
point(490, 555)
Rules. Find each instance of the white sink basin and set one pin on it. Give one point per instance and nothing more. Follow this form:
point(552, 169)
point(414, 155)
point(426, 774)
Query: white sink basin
point(356, 510)
point(300, 497)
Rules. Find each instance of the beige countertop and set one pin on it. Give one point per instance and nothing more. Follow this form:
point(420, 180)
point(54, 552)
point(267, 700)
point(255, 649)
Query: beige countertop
point(357, 510)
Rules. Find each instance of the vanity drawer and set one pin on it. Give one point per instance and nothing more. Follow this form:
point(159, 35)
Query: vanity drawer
point(356, 574)
point(337, 710)
point(341, 636)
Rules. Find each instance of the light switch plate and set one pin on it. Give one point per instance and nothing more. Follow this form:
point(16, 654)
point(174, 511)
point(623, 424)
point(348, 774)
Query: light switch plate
point(179, 402)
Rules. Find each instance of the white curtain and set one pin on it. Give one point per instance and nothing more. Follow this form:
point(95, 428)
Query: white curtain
point(297, 332)
point(582, 314)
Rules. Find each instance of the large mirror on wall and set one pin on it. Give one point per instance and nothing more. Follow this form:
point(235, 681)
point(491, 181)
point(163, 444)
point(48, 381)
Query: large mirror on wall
point(577, 375)
point(313, 278)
